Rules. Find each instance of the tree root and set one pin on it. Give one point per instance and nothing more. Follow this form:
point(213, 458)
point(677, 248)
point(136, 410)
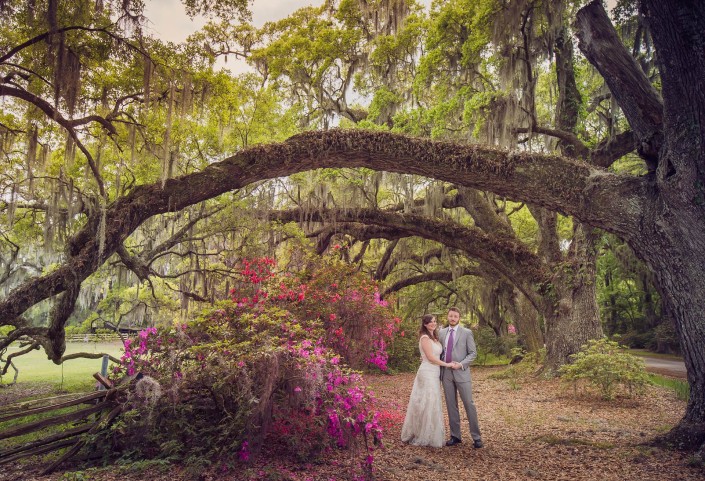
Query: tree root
point(684, 437)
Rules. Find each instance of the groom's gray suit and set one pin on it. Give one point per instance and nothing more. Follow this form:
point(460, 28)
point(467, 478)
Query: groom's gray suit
point(459, 381)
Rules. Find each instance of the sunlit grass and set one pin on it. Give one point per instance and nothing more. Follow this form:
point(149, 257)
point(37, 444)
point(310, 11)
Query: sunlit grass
point(681, 387)
point(657, 355)
point(72, 375)
point(490, 359)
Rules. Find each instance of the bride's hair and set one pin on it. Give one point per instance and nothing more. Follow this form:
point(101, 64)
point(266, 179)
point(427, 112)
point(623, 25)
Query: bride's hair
point(425, 320)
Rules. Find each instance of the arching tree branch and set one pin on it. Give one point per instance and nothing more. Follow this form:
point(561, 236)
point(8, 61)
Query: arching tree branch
point(446, 276)
point(594, 195)
point(507, 256)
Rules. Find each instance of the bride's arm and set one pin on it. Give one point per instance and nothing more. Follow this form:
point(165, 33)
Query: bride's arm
point(427, 347)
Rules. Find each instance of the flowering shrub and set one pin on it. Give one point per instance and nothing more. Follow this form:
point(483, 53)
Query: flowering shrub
point(345, 304)
point(267, 365)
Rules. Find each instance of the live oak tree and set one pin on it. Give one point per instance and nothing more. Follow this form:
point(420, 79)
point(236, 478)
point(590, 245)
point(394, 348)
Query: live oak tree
point(661, 215)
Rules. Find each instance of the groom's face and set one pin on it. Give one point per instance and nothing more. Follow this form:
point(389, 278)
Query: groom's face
point(453, 318)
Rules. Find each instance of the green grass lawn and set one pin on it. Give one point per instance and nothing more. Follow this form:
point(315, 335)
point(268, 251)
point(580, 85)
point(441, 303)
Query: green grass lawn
point(74, 374)
point(681, 387)
point(647, 353)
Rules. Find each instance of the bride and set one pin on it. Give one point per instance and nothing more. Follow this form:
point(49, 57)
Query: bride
point(423, 425)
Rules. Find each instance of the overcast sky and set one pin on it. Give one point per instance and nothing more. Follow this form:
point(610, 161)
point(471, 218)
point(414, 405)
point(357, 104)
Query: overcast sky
point(169, 22)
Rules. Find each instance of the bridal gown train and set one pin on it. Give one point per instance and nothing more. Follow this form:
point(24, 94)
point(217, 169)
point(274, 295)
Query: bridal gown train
point(423, 425)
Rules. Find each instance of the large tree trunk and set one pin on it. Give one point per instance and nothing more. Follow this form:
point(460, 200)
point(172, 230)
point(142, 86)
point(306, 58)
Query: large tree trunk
point(578, 313)
point(527, 322)
point(671, 138)
point(577, 319)
point(679, 263)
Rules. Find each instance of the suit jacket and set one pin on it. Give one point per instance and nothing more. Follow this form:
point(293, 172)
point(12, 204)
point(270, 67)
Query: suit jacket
point(464, 351)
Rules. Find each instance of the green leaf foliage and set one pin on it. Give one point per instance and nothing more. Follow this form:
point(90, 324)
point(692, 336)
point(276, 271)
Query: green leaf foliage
point(605, 365)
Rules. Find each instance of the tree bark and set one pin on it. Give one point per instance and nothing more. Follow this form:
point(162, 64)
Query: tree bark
point(578, 320)
point(639, 100)
point(526, 319)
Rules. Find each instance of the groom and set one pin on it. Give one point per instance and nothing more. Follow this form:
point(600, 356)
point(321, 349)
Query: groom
point(459, 348)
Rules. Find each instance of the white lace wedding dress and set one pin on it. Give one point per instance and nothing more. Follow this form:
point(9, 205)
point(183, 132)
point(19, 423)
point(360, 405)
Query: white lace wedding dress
point(423, 425)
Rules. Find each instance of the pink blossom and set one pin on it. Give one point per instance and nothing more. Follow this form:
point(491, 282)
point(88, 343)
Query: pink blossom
point(244, 453)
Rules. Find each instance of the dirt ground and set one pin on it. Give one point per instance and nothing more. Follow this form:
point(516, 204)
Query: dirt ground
point(531, 431)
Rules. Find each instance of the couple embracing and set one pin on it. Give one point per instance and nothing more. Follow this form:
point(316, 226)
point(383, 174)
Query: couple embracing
point(445, 354)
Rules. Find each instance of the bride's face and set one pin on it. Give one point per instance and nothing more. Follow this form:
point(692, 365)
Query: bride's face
point(431, 326)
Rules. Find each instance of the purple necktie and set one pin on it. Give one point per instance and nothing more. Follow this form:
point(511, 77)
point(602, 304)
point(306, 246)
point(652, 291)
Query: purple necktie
point(449, 348)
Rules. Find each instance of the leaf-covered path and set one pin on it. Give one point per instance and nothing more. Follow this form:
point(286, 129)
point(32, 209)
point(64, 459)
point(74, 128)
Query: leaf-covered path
point(533, 431)
point(537, 431)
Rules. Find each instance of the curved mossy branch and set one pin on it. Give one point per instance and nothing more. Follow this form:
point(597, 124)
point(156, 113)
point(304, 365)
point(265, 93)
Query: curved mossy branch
point(422, 259)
point(22, 333)
point(446, 276)
point(55, 342)
point(609, 150)
point(506, 255)
point(8, 360)
point(88, 355)
point(594, 195)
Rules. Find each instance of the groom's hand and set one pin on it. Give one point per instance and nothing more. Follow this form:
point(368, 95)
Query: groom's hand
point(457, 365)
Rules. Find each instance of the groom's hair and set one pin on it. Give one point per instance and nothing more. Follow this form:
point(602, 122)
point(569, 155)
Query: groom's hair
point(454, 309)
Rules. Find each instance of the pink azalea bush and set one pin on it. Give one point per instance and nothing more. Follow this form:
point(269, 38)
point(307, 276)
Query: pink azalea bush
point(270, 365)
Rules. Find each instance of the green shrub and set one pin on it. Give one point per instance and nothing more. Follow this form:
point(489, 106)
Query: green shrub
point(530, 364)
point(404, 353)
point(606, 365)
point(666, 338)
point(491, 346)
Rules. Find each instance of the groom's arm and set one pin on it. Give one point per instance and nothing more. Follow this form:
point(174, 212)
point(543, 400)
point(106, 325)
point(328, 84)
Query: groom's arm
point(471, 350)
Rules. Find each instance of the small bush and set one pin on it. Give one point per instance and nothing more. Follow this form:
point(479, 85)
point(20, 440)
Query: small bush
point(490, 346)
point(636, 339)
point(606, 365)
point(529, 365)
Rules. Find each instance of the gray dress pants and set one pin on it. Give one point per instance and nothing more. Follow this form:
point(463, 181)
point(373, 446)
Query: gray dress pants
point(451, 389)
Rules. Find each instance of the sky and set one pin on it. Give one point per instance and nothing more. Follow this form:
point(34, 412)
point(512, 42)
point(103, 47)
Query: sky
point(169, 22)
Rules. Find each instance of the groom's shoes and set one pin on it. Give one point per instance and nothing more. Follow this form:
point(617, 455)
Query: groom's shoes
point(477, 443)
point(453, 441)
